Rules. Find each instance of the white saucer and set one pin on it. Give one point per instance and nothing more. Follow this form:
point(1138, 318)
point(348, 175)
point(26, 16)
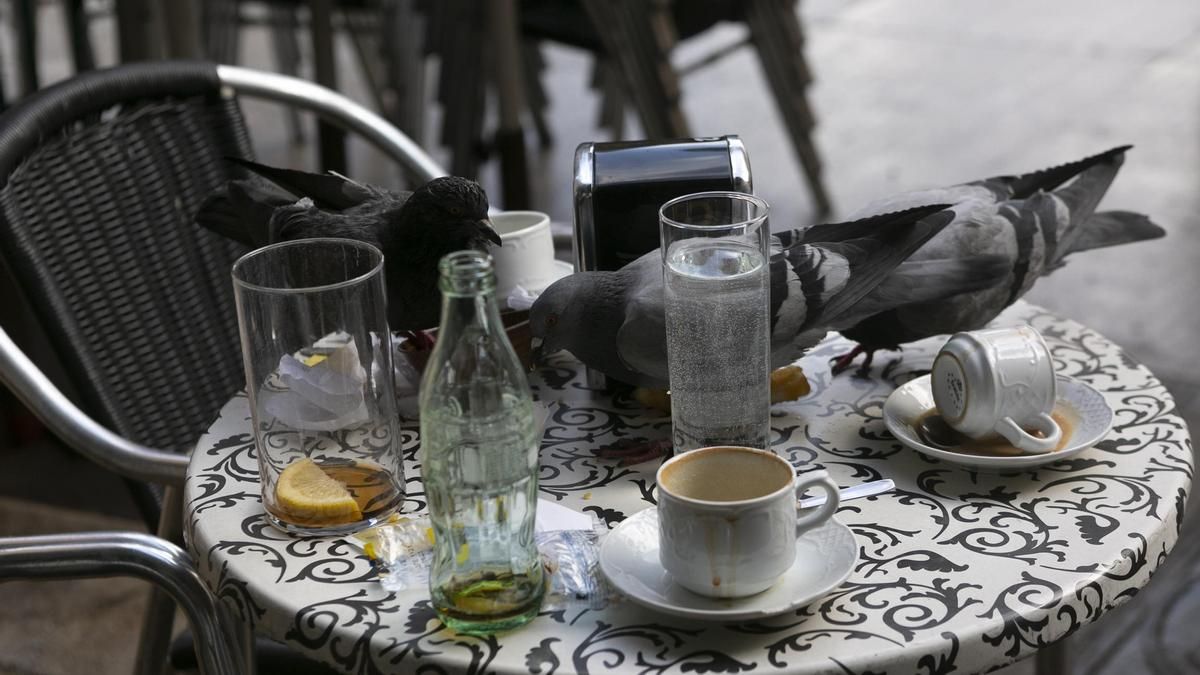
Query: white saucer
point(1093, 419)
point(825, 556)
point(562, 268)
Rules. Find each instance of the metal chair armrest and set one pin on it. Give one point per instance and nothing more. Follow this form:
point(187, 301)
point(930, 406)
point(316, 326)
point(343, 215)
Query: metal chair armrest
point(106, 554)
point(335, 108)
point(81, 432)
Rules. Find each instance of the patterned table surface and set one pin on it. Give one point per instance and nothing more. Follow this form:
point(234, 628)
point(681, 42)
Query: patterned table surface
point(958, 571)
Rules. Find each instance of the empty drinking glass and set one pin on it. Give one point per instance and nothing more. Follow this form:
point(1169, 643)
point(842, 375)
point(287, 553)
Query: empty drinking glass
point(319, 375)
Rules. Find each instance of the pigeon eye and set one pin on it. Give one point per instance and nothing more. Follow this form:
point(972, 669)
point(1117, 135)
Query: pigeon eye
point(455, 211)
point(551, 320)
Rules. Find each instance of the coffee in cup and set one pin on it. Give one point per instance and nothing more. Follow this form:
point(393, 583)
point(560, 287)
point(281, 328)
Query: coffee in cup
point(728, 518)
point(998, 381)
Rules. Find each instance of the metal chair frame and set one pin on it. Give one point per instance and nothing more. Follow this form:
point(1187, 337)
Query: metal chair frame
point(136, 461)
point(109, 554)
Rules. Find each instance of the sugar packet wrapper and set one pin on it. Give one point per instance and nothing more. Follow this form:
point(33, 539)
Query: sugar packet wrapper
point(569, 543)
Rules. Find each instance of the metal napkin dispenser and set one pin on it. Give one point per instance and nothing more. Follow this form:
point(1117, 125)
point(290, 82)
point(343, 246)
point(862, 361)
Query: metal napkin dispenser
point(619, 188)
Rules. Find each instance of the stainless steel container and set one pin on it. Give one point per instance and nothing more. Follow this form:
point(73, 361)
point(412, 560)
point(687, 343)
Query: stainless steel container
point(619, 188)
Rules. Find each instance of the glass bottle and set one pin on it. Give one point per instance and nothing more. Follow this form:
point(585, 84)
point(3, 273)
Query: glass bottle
point(479, 460)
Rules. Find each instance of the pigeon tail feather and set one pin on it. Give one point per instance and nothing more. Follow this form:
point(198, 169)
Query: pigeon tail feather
point(1110, 228)
point(1023, 186)
point(1080, 197)
point(328, 191)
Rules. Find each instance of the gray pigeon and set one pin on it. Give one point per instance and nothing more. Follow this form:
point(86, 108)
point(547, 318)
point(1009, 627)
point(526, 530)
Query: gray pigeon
point(413, 229)
point(614, 321)
point(1032, 221)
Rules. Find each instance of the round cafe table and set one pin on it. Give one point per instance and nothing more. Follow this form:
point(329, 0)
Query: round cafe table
point(958, 571)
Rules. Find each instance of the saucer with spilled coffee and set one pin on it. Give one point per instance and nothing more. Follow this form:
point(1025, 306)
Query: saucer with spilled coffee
point(912, 417)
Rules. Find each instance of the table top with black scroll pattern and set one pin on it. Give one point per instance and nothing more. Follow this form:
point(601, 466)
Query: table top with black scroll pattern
point(958, 571)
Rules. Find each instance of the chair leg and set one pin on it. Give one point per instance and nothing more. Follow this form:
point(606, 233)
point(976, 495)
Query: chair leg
point(25, 12)
point(182, 21)
point(220, 23)
point(606, 80)
point(778, 38)
point(535, 95)
point(403, 53)
point(81, 42)
point(137, 31)
point(330, 139)
point(510, 136)
point(460, 39)
point(286, 48)
point(638, 37)
point(82, 555)
point(243, 632)
point(155, 641)
point(159, 622)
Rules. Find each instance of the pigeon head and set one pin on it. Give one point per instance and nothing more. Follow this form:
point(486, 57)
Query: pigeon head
point(453, 206)
point(554, 313)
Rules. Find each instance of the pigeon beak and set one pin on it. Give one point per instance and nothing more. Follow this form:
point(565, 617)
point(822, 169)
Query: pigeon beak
point(535, 351)
point(489, 231)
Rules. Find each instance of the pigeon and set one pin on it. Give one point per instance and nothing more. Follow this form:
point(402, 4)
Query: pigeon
point(413, 229)
point(614, 321)
point(1033, 221)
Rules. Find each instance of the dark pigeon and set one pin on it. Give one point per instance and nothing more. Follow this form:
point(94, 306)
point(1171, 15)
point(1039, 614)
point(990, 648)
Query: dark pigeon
point(413, 229)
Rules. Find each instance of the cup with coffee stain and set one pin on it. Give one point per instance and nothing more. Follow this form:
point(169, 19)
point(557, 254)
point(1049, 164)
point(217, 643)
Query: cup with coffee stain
point(728, 518)
point(995, 383)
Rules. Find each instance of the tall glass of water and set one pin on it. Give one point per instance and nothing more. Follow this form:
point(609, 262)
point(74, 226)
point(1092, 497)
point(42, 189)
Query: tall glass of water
point(317, 352)
point(715, 249)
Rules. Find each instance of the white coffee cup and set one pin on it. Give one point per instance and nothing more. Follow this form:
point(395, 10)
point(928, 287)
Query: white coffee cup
point(728, 518)
point(998, 381)
point(526, 254)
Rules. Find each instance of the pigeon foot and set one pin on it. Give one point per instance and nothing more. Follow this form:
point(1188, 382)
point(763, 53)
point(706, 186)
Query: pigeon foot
point(843, 362)
point(630, 451)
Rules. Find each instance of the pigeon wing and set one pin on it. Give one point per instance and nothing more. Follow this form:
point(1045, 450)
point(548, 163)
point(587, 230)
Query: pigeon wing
point(242, 210)
point(642, 341)
point(882, 243)
point(919, 281)
point(642, 337)
point(804, 278)
point(303, 220)
point(329, 191)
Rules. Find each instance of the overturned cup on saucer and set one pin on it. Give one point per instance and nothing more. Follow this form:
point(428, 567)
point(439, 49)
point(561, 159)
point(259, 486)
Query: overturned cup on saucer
point(728, 518)
point(998, 381)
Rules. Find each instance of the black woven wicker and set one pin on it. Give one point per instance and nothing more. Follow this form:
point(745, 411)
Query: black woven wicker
point(101, 176)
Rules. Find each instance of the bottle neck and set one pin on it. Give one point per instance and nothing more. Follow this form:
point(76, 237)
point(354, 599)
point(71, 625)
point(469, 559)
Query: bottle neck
point(468, 287)
point(462, 311)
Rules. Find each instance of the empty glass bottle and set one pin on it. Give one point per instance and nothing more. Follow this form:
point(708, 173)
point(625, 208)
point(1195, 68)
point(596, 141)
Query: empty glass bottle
point(479, 460)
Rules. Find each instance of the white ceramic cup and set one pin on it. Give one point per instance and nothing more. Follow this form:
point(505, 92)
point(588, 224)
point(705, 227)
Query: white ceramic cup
point(998, 381)
point(728, 518)
point(526, 254)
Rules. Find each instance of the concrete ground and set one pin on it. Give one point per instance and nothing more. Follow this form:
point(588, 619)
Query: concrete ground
point(907, 95)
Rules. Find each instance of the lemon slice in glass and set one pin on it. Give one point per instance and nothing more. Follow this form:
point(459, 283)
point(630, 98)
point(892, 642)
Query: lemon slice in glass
point(306, 493)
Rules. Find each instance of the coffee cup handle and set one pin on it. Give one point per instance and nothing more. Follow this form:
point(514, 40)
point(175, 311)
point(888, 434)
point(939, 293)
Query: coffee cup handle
point(1051, 434)
point(824, 512)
